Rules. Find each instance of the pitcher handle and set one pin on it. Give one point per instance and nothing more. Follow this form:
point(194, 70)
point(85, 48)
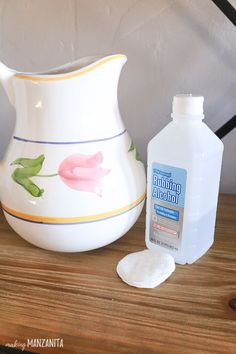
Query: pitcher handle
point(6, 78)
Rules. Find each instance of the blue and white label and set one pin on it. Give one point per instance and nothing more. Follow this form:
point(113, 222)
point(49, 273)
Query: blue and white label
point(167, 205)
point(167, 212)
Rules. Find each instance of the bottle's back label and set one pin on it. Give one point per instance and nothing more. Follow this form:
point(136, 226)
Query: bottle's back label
point(167, 205)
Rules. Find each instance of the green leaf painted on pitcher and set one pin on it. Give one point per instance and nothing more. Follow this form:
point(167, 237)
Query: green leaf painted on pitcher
point(133, 148)
point(31, 163)
point(29, 168)
point(137, 156)
point(27, 184)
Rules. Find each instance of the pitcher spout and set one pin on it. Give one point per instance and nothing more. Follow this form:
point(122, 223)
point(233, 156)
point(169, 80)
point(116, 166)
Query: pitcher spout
point(6, 76)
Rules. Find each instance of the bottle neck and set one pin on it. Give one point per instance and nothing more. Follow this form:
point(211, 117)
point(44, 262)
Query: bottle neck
point(187, 119)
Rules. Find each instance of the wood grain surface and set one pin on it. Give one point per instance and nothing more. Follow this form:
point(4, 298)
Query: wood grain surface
point(80, 299)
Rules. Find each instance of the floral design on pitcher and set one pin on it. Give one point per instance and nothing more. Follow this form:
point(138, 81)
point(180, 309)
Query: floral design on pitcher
point(78, 172)
point(28, 168)
point(83, 172)
point(133, 148)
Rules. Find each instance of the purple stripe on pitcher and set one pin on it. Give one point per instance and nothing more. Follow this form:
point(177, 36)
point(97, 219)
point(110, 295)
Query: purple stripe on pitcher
point(68, 142)
point(73, 223)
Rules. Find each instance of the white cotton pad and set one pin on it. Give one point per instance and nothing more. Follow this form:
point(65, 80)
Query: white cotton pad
point(146, 269)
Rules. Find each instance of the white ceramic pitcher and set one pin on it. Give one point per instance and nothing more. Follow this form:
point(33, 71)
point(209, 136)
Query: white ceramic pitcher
point(72, 179)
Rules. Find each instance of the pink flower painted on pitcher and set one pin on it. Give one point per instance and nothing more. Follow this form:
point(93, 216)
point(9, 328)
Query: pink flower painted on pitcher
point(83, 172)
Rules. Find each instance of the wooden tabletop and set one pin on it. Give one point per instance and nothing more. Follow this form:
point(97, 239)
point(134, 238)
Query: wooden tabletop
point(78, 298)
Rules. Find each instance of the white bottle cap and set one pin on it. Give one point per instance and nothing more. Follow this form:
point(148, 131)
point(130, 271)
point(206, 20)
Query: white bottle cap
point(188, 104)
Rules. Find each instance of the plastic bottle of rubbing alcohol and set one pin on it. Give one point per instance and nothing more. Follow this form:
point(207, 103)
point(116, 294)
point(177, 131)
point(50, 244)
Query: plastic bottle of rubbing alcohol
point(184, 165)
